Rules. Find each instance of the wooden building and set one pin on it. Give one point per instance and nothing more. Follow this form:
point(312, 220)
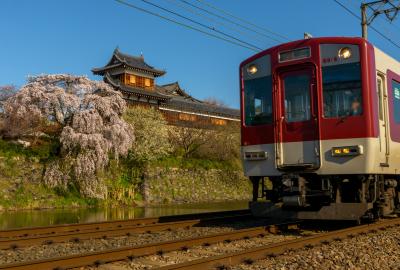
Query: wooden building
point(135, 79)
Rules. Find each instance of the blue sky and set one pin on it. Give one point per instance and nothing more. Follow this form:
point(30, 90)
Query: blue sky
point(73, 36)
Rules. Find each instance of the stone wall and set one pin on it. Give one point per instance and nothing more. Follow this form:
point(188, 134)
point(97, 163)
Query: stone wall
point(166, 185)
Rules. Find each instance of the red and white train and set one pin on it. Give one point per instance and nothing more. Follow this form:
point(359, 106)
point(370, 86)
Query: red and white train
point(321, 129)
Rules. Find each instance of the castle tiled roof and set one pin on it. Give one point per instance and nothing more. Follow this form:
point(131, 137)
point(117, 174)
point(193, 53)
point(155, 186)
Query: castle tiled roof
point(181, 100)
point(203, 107)
point(174, 90)
point(120, 59)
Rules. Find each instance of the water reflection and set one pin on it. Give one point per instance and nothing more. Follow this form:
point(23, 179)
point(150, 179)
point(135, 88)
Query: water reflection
point(33, 218)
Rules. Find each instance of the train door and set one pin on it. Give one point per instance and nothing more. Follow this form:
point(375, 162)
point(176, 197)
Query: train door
point(297, 123)
point(383, 121)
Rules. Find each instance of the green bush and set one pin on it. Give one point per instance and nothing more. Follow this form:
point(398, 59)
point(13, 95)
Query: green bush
point(151, 133)
point(219, 143)
point(222, 144)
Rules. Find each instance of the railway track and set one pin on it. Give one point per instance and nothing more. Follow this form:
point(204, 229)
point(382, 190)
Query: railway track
point(108, 231)
point(213, 262)
point(102, 257)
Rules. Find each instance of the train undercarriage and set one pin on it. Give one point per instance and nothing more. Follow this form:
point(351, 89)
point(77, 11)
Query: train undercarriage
point(328, 197)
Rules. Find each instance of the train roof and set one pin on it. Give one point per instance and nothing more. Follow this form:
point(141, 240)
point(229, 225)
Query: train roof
point(308, 42)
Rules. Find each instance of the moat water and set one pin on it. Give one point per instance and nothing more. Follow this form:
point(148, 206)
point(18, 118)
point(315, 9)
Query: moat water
point(33, 218)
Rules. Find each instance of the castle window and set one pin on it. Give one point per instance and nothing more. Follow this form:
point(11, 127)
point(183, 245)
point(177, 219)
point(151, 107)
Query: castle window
point(187, 117)
point(132, 79)
point(147, 82)
point(138, 81)
point(218, 122)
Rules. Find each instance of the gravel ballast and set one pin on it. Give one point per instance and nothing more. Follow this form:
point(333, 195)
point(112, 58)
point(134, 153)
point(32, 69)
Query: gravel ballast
point(380, 250)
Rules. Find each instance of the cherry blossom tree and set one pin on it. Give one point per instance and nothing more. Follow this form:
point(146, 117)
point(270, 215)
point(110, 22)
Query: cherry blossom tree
point(6, 91)
point(92, 129)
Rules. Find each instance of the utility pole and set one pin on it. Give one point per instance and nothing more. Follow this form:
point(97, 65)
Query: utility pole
point(364, 24)
point(388, 7)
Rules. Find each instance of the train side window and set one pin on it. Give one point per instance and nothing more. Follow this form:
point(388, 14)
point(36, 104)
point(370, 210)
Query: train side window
point(342, 90)
point(396, 100)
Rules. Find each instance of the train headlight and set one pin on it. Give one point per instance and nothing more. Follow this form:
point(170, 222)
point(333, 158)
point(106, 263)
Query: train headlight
point(344, 53)
point(336, 152)
point(252, 69)
point(342, 151)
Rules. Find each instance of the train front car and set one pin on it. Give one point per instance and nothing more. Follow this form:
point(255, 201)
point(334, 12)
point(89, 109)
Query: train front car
point(314, 139)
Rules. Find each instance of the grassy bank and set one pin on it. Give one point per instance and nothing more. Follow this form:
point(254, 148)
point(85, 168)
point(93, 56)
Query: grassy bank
point(21, 173)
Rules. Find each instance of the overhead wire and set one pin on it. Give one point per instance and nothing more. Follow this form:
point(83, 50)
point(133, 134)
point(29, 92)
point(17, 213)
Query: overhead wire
point(372, 27)
point(390, 21)
point(242, 20)
point(231, 21)
point(208, 18)
point(184, 25)
point(381, 18)
point(201, 24)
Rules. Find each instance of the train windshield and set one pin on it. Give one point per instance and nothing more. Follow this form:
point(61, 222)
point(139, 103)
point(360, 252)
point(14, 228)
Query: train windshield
point(258, 101)
point(342, 90)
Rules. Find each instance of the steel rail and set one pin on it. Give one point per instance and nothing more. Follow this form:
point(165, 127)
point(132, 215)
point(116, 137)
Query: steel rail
point(79, 227)
point(106, 233)
point(106, 256)
point(258, 253)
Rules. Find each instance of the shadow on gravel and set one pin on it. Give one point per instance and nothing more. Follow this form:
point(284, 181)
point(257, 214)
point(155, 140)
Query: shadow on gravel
point(292, 227)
